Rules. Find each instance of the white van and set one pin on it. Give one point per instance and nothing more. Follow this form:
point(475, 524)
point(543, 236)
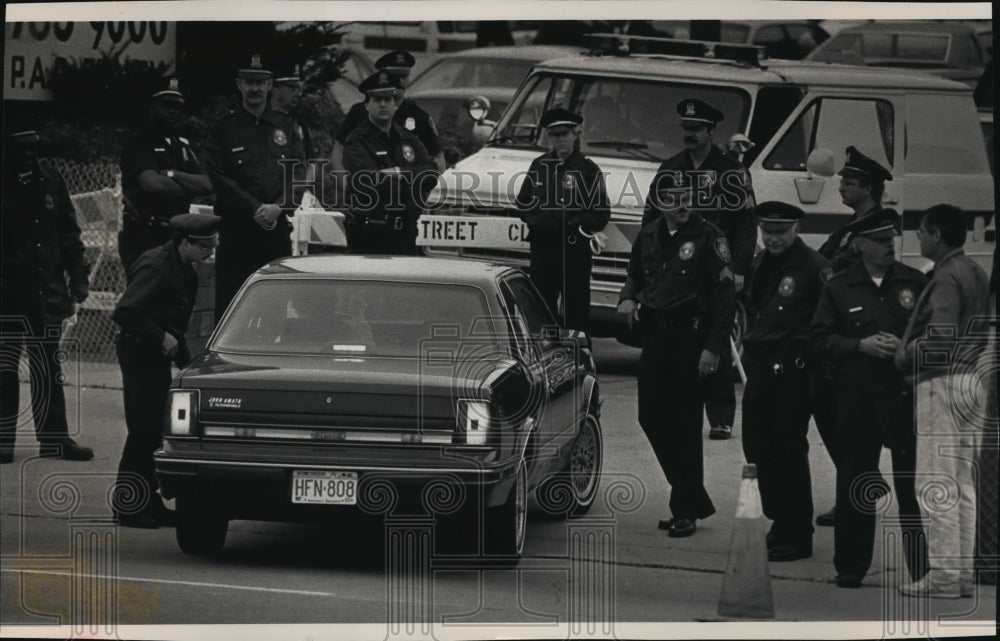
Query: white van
point(924, 128)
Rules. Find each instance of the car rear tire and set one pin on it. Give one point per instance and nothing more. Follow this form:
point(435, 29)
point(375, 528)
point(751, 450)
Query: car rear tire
point(504, 527)
point(572, 491)
point(201, 529)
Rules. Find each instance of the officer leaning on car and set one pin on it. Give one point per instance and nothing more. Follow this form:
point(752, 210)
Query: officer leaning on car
point(389, 175)
point(160, 176)
point(257, 167)
point(564, 202)
point(680, 290)
point(40, 249)
point(862, 313)
point(783, 288)
point(153, 314)
point(724, 197)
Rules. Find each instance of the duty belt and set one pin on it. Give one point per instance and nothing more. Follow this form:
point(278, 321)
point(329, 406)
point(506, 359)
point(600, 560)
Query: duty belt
point(777, 365)
point(668, 320)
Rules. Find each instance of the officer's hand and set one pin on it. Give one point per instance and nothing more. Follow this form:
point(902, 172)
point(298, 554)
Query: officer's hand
point(266, 215)
point(708, 363)
point(629, 309)
point(169, 345)
point(878, 345)
point(738, 280)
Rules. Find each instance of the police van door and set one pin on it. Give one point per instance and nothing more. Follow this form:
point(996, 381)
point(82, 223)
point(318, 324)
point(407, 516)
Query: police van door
point(834, 121)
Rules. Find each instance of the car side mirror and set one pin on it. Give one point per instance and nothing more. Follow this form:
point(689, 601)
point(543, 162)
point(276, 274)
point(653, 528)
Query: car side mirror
point(820, 162)
point(478, 108)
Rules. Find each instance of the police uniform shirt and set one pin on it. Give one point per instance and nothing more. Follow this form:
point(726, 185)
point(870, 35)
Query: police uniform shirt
point(783, 292)
point(247, 171)
point(303, 133)
point(853, 307)
point(732, 198)
point(682, 275)
point(838, 249)
point(158, 299)
point(408, 115)
point(155, 148)
point(553, 188)
point(39, 244)
point(369, 149)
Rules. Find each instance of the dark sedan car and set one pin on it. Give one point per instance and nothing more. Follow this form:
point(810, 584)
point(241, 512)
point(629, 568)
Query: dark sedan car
point(384, 385)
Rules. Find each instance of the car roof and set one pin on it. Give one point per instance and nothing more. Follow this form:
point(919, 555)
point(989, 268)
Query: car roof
point(526, 52)
point(923, 26)
point(772, 71)
point(415, 269)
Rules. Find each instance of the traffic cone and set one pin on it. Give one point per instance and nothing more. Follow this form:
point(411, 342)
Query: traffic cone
point(746, 588)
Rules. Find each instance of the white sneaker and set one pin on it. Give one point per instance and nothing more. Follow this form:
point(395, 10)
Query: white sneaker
point(925, 588)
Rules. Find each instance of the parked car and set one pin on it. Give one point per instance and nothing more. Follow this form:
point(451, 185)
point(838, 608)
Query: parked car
point(948, 49)
point(342, 384)
point(430, 36)
point(444, 88)
point(786, 39)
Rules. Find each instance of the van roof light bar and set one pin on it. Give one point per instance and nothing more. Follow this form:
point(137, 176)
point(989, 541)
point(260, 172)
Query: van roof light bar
point(624, 45)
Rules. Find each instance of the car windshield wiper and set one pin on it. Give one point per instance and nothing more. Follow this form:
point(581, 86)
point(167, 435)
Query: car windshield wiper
point(624, 145)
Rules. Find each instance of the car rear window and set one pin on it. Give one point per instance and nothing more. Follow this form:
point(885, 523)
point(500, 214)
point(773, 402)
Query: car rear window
point(349, 317)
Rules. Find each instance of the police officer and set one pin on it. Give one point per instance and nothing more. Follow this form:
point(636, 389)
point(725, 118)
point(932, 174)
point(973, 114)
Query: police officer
point(257, 167)
point(153, 314)
point(680, 290)
point(862, 313)
point(390, 174)
point(564, 201)
point(160, 176)
point(862, 184)
point(40, 250)
point(408, 114)
point(724, 197)
point(285, 94)
point(783, 289)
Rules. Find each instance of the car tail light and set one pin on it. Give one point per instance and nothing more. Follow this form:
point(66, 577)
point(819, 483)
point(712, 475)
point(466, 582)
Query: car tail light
point(183, 418)
point(473, 422)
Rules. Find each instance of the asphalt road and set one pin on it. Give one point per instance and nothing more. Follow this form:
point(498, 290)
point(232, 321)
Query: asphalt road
point(609, 574)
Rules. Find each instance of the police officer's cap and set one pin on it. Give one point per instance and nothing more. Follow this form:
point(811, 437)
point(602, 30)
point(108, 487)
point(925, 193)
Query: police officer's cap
point(255, 70)
point(203, 229)
point(287, 75)
point(560, 117)
point(380, 83)
point(775, 214)
point(399, 62)
point(879, 224)
point(858, 165)
point(169, 90)
point(698, 112)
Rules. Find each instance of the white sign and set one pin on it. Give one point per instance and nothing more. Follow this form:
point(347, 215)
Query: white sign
point(31, 49)
point(472, 231)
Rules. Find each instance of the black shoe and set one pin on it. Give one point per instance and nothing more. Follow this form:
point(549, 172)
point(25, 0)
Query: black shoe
point(849, 580)
point(6, 454)
point(785, 552)
point(665, 524)
point(681, 528)
point(720, 432)
point(65, 448)
point(827, 519)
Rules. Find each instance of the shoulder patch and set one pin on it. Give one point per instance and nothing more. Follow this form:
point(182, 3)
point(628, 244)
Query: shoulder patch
point(722, 248)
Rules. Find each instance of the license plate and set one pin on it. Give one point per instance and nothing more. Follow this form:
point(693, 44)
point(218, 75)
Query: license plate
point(324, 488)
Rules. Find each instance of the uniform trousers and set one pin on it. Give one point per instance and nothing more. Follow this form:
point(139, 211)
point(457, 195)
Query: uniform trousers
point(775, 439)
point(26, 334)
point(373, 238)
point(238, 256)
point(562, 268)
point(146, 379)
point(670, 411)
point(720, 393)
point(948, 441)
point(864, 424)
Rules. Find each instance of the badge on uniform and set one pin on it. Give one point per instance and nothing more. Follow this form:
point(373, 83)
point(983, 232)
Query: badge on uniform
point(686, 251)
point(408, 154)
point(50, 202)
point(907, 299)
point(722, 248)
point(567, 182)
point(410, 124)
point(279, 137)
point(786, 287)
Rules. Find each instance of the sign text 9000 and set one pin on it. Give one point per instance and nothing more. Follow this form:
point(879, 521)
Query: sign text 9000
point(104, 33)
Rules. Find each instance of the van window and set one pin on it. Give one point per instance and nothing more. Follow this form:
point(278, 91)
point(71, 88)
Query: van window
point(770, 111)
point(622, 117)
point(836, 123)
point(940, 136)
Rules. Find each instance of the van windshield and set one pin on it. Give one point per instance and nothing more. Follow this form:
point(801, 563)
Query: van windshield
point(622, 117)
